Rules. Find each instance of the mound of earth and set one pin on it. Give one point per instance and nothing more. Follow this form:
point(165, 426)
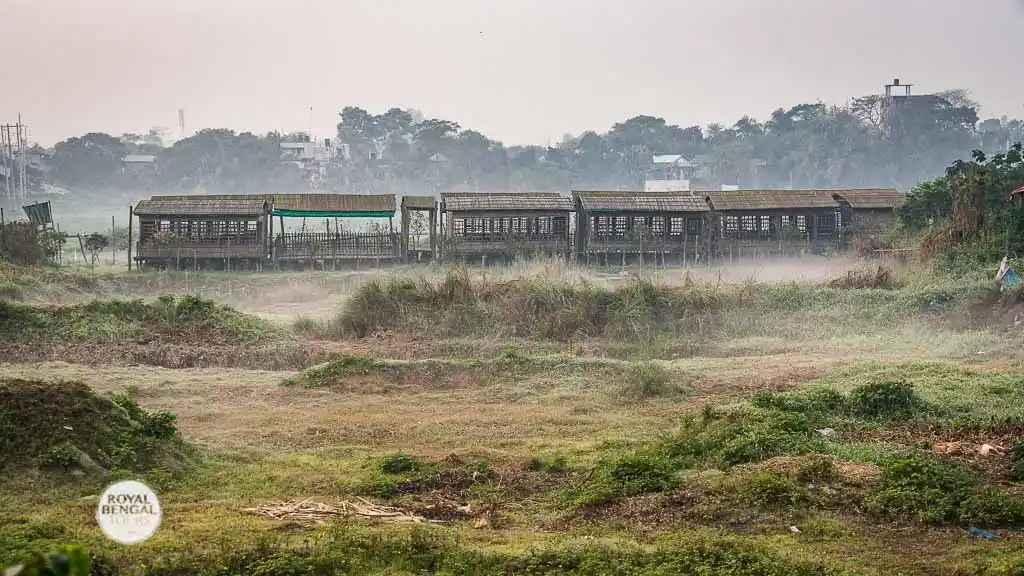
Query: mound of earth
point(181, 320)
point(65, 426)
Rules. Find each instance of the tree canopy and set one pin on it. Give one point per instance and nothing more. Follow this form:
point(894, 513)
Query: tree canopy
point(969, 208)
point(871, 142)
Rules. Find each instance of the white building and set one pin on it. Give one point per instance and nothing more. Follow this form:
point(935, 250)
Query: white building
point(670, 173)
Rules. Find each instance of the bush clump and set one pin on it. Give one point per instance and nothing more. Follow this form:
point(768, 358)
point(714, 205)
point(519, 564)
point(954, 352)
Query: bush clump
point(538, 307)
point(647, 380)
point(402, 474)
point(937, 492)
point(721, 441)
point(1017, 462)
point(625, 476)
point(886, 400)
point(773, 489)
point(65, 426)
point(24, 244)
point(329, 373)
point(181, 319)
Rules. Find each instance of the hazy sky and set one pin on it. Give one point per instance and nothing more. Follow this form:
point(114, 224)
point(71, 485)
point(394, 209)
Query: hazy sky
point(522, 71)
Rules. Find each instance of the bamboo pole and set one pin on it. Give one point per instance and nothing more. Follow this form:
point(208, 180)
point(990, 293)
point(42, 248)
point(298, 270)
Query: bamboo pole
point(131, 217)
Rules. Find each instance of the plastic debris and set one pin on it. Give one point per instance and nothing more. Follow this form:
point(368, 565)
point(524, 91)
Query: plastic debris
point(985, 449)
point(981, 533)
point(826, 431)
point(794, 529)
point(1007, 275)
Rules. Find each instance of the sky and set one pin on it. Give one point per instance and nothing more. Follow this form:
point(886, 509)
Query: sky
point(520, 71)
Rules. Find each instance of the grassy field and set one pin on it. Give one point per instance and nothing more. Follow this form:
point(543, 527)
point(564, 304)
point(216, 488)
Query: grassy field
point(823, 417)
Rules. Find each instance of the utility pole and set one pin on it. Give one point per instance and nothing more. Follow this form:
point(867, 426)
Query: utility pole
point(22, 155)
point(5, 168)
point(14, 157)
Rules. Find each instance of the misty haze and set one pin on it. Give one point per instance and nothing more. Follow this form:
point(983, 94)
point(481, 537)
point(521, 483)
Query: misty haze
point(407, 287)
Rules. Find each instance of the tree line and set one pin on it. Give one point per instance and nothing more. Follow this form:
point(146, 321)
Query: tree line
point(866, 143)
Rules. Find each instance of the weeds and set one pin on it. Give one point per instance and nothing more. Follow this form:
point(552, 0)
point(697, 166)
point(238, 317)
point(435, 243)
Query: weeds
point(890, 400)
point(937, 492)
point(65, 426)
point(402, 474)
point(640, 311)
point(1017, 462)
point(880, 278)
point(178, 319)
point(648, 380)
point(362, 552)
point(625, 476)
point(886, 400)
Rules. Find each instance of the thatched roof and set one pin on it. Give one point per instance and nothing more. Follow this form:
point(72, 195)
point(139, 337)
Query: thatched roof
point(871, 199)
point(742, 200)
point(419, 202)
point(331, 203)
point(505, 202)
point(202, 206)
point(642, 202)
point(266, 197)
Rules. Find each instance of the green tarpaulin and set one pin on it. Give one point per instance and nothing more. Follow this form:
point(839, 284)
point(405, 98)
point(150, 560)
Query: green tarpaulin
point(330, 214)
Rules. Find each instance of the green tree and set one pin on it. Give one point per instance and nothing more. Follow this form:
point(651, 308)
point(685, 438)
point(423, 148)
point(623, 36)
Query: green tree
point(91, 161)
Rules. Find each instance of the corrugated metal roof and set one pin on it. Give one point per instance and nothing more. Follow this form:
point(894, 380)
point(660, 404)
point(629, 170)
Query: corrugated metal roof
point(735, 200)
point(198, 206)
point(871, 199)
point(505, 202)
point(335, 202)
point(420, 202)
point(642, 202)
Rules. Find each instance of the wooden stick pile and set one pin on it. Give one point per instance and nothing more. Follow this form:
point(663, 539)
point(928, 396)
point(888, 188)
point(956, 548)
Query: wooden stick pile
point(318, 512)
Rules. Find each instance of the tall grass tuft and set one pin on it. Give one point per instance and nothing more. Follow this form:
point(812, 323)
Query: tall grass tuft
point(555, 304)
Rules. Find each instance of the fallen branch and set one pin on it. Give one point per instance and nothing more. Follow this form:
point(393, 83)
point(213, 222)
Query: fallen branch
point(319, 512)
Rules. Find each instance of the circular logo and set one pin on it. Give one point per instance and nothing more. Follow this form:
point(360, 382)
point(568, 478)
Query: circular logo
point(129, 512)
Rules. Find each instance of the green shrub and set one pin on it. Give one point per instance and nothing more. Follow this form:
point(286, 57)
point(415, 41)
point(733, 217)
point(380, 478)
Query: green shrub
point(625, 476)
point(180, 319)
point(753, 437)
point(937, 492)
point(337, 369)
point(816, 469)
point(66, 426)
point(1017, 462)
point(819, 402)
point(399, 464)
point(403, 474)
point(557, 464)
point(20, 243)
point(886, 400)
point(645, 380)
point(773, 488)
point(989, 506)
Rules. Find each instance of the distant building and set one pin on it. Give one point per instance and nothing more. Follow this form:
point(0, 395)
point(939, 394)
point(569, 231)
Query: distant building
point(138, 163)
point(313, 157)
point(669, 173)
